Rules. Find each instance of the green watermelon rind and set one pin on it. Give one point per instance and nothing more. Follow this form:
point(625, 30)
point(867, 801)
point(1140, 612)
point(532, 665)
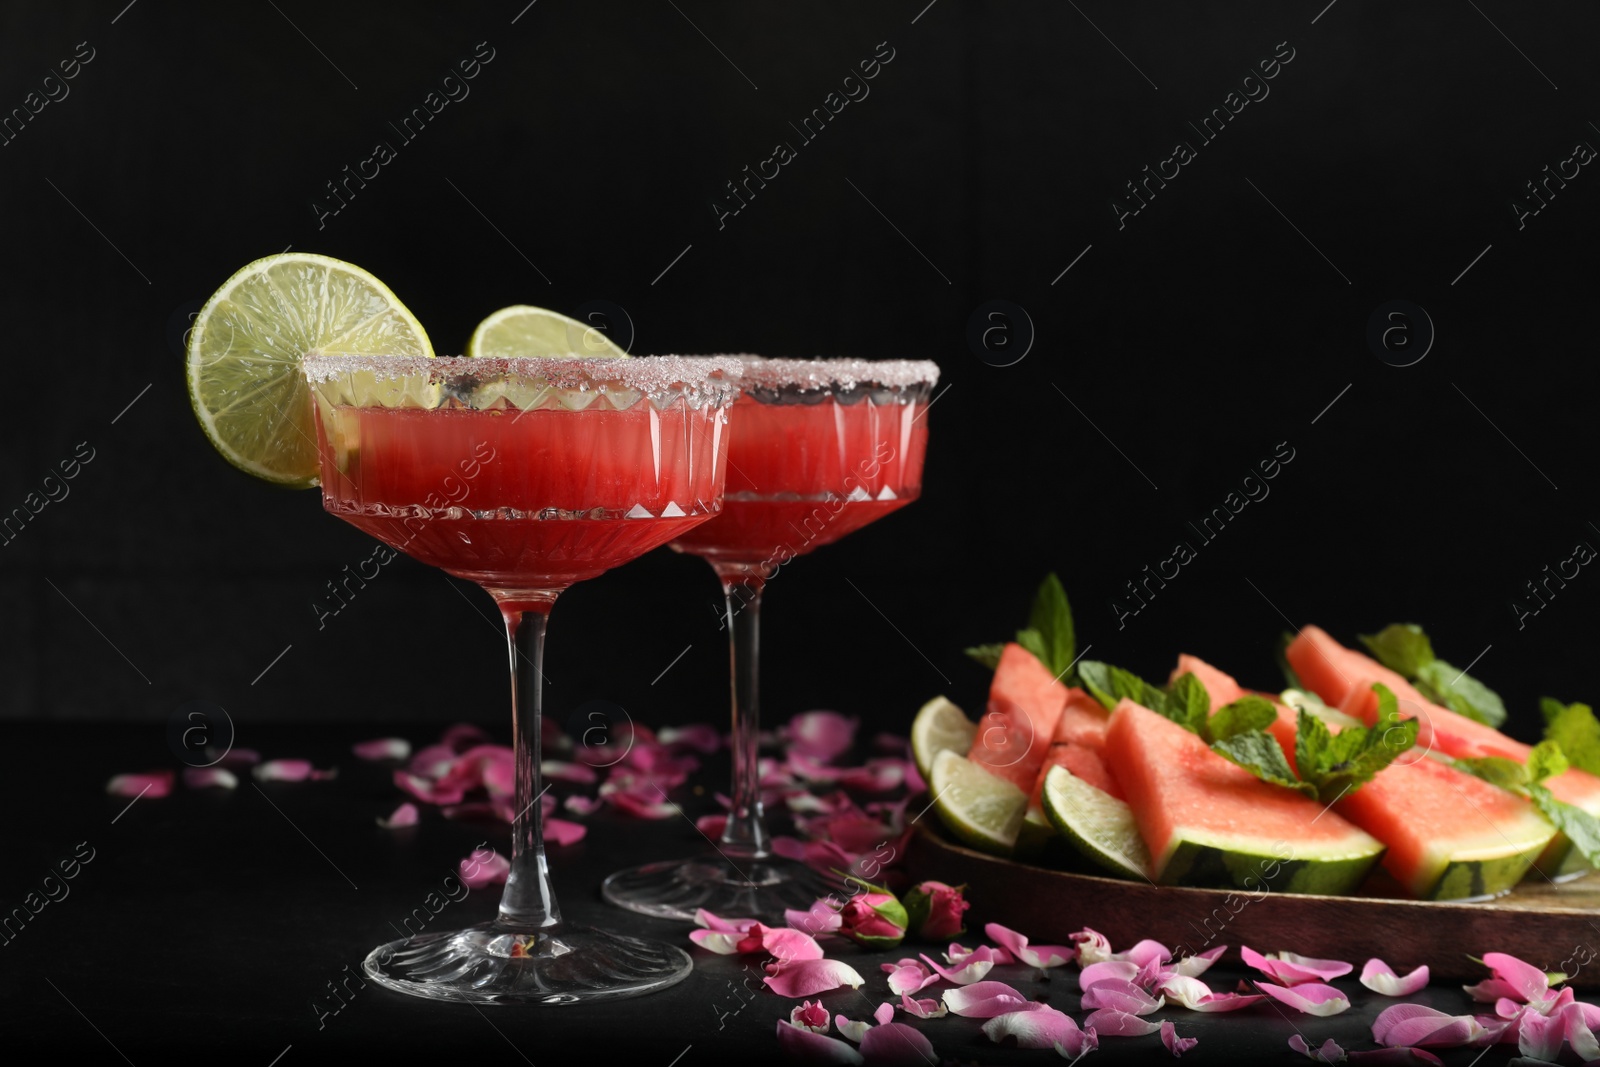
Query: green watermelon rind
point(1329, 870)
point(1481, 879)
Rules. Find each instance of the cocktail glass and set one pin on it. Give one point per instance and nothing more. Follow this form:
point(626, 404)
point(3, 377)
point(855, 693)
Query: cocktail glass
point(816, 449)
point(524, 476)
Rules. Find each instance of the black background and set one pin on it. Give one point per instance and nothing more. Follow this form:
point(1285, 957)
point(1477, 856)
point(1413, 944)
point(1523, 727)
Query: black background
point(1173, 356)
point(1190, 342)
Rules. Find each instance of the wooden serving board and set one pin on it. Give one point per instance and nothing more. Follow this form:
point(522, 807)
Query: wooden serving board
point(1554, 926)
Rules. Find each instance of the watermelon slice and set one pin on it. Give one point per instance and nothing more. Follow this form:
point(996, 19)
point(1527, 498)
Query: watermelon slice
point(1210, 822)
point(1025, 702)
point(1078, 745)
point(1221, 687)
point(1448, 835)
point(1344, 677)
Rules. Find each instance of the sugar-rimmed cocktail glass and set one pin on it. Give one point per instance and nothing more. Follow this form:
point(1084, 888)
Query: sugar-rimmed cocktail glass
point(524, 476)
point(816, 449)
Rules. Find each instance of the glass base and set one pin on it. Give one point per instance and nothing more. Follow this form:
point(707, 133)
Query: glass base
point(752, 889)
point(493, 964)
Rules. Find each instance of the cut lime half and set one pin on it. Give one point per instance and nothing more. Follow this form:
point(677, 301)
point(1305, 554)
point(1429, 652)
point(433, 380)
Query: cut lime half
point(980, 809)
point(1099, 825)
point(521, 330)
point(247, 342)
point(940, 726)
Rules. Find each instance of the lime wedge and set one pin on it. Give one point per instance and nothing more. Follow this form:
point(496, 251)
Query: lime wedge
point(1099, 825)
point(1035, 835)
point(982, 810)
point(245, 349)
point(529, 331)
point(940, 725)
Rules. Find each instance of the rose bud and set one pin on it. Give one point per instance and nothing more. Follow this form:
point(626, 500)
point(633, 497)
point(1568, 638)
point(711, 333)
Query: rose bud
point(874, 918)
point(934, 910)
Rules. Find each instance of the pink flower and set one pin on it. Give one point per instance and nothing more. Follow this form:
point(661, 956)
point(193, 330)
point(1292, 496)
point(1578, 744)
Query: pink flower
point(874, 919)
point(934, 910)
point(1380, 978)
point(153, 784)
point(811, 1015)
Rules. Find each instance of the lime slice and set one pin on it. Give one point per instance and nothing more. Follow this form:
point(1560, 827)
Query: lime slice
point(982, 810)
point(529, 331)
point(1098, 824)
point(1034, 837)
point(940, 725)
point(245, 349)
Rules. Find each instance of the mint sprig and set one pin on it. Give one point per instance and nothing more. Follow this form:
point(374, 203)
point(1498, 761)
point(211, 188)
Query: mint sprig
point(1109, 685)
point(1574, 729)
point(1049, 635)
point(1405, 649)
point(1545, 760)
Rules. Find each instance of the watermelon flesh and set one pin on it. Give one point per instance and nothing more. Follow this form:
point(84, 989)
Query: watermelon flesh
point(1344, 677)
point(1221, 687)
point(1078, 745)
point(1208, 821)
point(1025, 703)
point(1448, 835)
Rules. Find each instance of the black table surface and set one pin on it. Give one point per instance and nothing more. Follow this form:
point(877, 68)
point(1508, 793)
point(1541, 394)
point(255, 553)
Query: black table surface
point(209, 925)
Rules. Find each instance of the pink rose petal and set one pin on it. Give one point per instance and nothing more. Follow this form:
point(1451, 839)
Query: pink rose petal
point(1313, 998)
point(783, 943)
point(233, 758)
point(1076, 1045)
point(383, 748)
point(209, 777)
point(985, 1000)
point(876, 775)
point(479, 870)
point(1292, 969)
point(822, 735)
point(818, 855)
point(563, 832)
point(972, 969)
point(712, 921)
point(809, 1047)
point(1580, 1021)
point(640, 805)
point(1036, 956)
point(1145, 953)
point(1195, 995)
point(1199, 963)
point(852, 1029)
point(153, 784)
point(433, 761)
point(804, 978)
point(1121, 996)
point(821, 918)
point(1329, 1053)
point(957, 954)
point(1175, 1044)
point(579, 804)
point(290, 770)
point(1380, 978)
point(1043, 1027)
point(1528, 982)
point(909, 976)
point(1109, 1022)
point(897, 1044)
point(1107, 969)
point(923, 1009)
point(404, 815)
point(810, 1015)
point(1092, 946)
point(710, 825)
point(700, 736)
point(1541, 1036)
point(1415, 1024)
point(562, 771)
point(428, 790)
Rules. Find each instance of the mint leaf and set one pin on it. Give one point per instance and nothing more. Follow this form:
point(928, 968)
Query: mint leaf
point(1574, 728)
point(1400, 646)
point(1033, 641)
point(1461, 693)
point(1249, 712)
point(1545, 761)
point(1281, 654)
point(1189, 705)
point(1051, 618)
point(1581, 828)
point(1496, 770)
point(1258, 753)
point(1341, 763)
point(1109, 685)
point(988, 655)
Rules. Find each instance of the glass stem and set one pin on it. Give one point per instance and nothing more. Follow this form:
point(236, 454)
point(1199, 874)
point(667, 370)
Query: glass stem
point(529, 901)
point(745, 834)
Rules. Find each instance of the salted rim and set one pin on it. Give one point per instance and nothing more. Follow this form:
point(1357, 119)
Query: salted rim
point(645, 373)
point(837, 373)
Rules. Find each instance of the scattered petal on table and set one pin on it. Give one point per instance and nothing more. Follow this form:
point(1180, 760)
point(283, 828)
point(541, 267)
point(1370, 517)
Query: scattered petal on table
point(153, 784)
point(404, 815)
point(1109, 1022)
point(564, 832)
point(1196, 965)
point(383, 748)
point(853, 1029)
point(1313, 998)
point(428, 790)
point(1380, 978)
point(1541, 1036)
point(973, 968)
point(700, 736)
point(579, 804)
point(1107, 969)
point(822, 735)
point(1175, 1044)
point(985, 1000)
point(808, 1047)
point(1292, 969)
point(1195, 995)
point(957, 954)
point(909, 976)
point(805, 978)
point(821, 918)
point(290, 770)
point(895, 1044)
point(1512, 978)
point(1580, 1021)
point(1329, 1053)
point(1074, 1048)
point(709, 825)
point(1035, 956)
point(1122, 996)
point(479, 870)
point(1043, 1027)
point(923, 1009)
point(1416, 1024)
point(208, 777)
point(562, 771)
